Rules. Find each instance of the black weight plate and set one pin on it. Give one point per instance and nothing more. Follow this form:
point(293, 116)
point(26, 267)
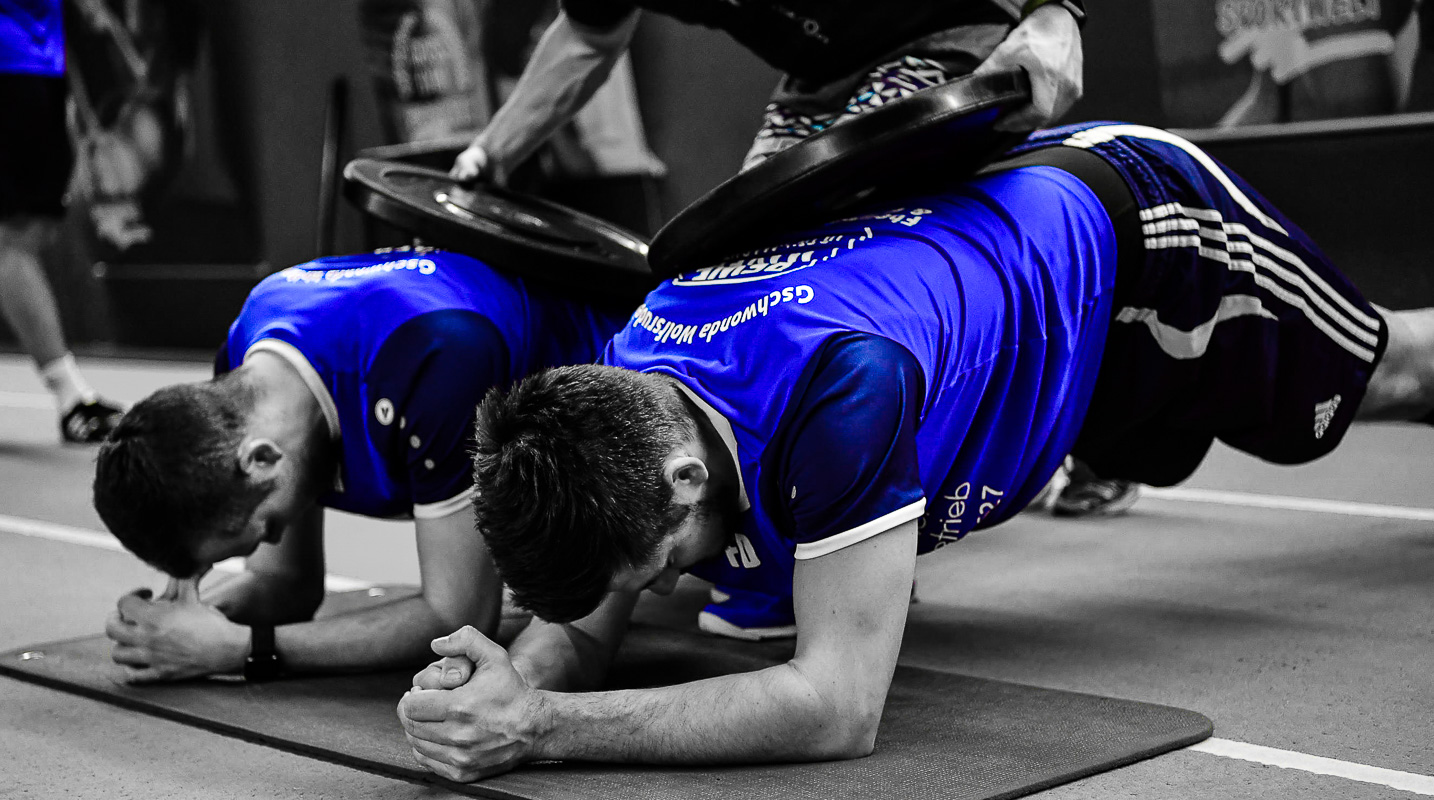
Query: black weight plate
point(942, 133)
point(526, 236)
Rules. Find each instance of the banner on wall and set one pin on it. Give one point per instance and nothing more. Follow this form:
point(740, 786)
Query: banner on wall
point(1225, 63)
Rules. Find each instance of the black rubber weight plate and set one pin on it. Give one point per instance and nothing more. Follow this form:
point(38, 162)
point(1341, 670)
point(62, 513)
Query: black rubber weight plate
point(523, 235)
point(941, 133)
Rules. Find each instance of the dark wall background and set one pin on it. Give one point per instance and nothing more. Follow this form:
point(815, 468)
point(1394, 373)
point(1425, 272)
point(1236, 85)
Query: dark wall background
point(702, 97)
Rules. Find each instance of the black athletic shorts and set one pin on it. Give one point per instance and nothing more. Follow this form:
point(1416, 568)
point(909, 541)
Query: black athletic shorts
point(35, 155)
point(1228, 323)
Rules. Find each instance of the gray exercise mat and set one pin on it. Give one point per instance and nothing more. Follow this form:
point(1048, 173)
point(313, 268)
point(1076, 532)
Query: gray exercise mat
point(942, 735)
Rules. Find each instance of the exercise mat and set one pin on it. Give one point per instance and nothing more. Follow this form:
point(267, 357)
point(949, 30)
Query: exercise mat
point(942, 735)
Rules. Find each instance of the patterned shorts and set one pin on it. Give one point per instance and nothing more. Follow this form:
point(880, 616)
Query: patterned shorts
point(782, 127)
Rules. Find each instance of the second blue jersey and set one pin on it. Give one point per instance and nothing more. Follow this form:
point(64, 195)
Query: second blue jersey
point(1004, 324)
point(399, 347)
point(32, 39)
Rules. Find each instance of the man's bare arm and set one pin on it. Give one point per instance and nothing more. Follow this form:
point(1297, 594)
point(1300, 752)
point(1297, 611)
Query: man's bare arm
point(281, 583)
point(570, 657)
point(568, 66)
point(460, 587)
point(163, 641)
point(824, 704)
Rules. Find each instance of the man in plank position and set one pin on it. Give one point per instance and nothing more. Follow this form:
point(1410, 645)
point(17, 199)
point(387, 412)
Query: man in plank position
point(814, 415)
point(839, 59)
point(347, 383)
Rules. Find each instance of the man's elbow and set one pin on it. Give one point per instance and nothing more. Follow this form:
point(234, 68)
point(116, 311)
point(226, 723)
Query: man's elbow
point(450, 614)
point(846, 732)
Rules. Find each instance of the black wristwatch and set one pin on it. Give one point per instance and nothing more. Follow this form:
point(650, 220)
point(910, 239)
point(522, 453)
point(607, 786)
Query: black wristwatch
point(1076, 7)
point(263, 663)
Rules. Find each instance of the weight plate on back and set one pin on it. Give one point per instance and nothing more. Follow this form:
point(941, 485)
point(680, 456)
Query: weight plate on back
point(526, 236)
point(944, 133)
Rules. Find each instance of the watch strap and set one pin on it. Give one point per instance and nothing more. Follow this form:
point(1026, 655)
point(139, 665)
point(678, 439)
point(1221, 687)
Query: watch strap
point(263, 662)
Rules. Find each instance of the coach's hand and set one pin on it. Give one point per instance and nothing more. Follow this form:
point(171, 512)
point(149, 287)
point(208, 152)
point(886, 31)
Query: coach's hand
point(1047, 44)
point(484, 727)
point(161, 640)
point(476, 164)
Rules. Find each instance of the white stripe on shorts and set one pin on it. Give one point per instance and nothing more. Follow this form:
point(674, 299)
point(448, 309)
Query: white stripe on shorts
point(1093, 136)
point(1269, 284)
point(1174, 225)
point(1259, 250)
point(1354, 318)
point(1190, 344)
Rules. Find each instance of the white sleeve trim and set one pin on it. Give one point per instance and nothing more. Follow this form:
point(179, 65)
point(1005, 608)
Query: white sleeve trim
point(443, 508)
point(831, 544)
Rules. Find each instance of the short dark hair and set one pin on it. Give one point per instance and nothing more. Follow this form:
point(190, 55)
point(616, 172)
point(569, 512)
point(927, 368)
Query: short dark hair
point(169, 472)
point(569, 485)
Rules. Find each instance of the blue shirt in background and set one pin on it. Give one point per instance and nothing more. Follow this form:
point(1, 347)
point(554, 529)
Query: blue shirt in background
point(32, 37)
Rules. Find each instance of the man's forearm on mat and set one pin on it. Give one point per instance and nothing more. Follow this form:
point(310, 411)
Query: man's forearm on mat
point(392, 635)
point(573, 656)
point(775, 714)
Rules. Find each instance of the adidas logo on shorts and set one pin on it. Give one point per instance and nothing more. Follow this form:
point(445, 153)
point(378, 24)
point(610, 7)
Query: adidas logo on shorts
point(1324, 412)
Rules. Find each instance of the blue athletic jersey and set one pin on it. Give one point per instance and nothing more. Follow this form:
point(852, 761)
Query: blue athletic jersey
point(931, 362)
point(399, 347)
point(32, 37)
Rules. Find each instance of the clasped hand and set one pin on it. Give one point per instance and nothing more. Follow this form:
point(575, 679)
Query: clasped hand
point(470, 715)
point(168, 640)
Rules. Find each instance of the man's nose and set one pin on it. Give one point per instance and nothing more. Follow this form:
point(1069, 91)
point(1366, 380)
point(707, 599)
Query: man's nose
point(665, 581)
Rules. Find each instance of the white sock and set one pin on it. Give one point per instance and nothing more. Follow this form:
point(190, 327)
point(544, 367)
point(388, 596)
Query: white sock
point(62, 377)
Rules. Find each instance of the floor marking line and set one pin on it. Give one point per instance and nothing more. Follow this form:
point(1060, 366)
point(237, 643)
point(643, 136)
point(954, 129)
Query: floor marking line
point(27, 400)
point(1319, 765)
point(103, 541)
point(1347, 508)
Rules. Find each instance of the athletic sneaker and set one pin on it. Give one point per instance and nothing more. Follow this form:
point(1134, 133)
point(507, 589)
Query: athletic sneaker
point(89, 423)
point(1089, 495)
point(1045, 500)
point(748, 615)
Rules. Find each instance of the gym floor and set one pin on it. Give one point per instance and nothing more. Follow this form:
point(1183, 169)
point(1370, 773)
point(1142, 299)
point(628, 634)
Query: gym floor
point(1292, 606)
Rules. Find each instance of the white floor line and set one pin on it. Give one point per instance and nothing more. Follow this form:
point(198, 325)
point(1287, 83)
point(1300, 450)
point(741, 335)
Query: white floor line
point(1290, 503)
point(1319, 765)
point(104, 541)
point(27, 400)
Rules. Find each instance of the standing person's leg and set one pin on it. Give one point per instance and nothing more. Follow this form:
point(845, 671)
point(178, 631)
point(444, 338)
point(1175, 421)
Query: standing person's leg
point(35, 164)
point(25, 297)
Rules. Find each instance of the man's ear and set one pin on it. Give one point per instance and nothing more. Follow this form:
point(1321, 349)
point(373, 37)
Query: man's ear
point(687, 475)
point(258, 458)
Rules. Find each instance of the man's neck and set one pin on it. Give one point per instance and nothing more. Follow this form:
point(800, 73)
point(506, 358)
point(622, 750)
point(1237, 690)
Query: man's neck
point(721, 461)
point(284, 406)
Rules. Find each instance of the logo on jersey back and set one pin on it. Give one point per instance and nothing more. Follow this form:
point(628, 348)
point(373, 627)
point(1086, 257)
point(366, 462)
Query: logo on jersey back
point(1324, 414)
point(774, 262)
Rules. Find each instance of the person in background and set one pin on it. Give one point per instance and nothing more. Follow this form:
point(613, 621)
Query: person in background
point(35, 167)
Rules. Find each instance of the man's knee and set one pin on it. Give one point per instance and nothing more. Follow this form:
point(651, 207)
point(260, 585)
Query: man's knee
point(1402, 386)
